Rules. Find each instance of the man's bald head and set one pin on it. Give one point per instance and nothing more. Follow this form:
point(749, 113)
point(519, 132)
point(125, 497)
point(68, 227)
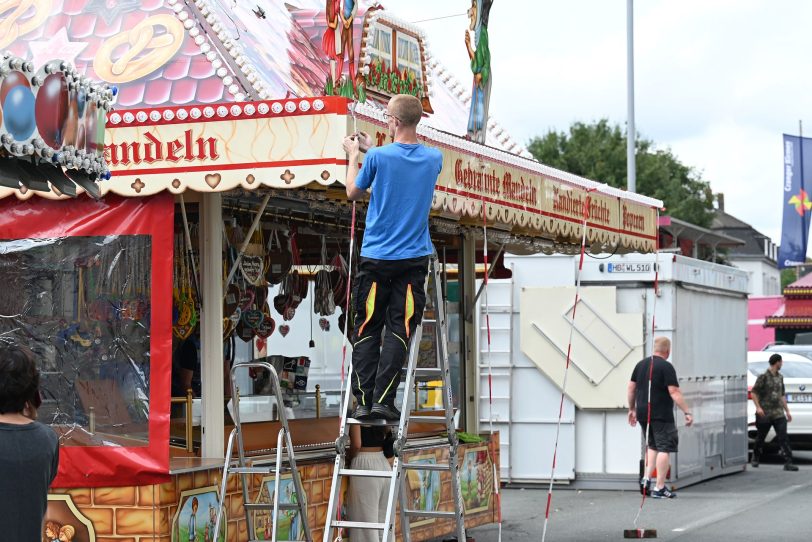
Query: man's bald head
point(406, 108)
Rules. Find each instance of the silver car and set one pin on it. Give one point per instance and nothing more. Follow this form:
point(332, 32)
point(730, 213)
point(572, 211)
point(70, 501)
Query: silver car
point(797, 371)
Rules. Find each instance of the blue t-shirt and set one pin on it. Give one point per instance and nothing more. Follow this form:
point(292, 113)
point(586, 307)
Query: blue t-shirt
point(402, 177)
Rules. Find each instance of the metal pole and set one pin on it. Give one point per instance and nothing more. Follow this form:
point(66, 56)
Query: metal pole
point(631, 167)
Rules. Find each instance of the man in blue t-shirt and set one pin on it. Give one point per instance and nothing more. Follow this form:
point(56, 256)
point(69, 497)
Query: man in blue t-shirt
point(389, 288)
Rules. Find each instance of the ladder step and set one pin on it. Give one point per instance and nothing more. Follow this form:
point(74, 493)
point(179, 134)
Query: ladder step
point(429, 321)
point(268, 506)
point(428, 371)
point(427, 466)
point(433, 514)
point(358, 525)
point(366, 473)
point(428, 419)
point(382, 423)
point(257, 470)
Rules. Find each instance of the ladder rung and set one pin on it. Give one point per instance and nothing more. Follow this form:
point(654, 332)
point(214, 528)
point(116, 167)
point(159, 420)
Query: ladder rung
point(376, 422)
point(269, 506)
point(358, 525)
point(429, 321)
point(428, 419)
point(428, 371)
point(427, 466)
point(367, 473)
point(257, 470)
point(431, 514)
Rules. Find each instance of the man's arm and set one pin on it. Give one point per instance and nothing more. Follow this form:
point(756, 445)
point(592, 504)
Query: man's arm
point(631, 397)
point(353, 145)
point(786, 407)
point(754, 394)
point(676, 395)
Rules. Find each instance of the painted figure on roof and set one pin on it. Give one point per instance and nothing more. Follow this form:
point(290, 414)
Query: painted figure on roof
point(331, 41)
point(480, 55)
point(348, 11)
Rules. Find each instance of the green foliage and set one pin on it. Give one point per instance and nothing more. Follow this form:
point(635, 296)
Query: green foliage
point(788, 276)
point(598, 151)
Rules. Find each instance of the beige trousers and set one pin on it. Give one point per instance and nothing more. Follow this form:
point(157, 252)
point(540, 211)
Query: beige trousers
point(366, 497)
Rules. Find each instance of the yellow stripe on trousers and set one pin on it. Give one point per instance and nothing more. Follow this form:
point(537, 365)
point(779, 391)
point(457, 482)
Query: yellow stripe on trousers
point(370, 307)
point(409, 308)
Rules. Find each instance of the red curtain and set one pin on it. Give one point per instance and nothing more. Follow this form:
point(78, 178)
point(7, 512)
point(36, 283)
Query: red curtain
point(36, 218)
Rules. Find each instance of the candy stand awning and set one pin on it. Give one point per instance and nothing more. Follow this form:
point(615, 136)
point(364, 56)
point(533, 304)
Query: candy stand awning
point(295, 143)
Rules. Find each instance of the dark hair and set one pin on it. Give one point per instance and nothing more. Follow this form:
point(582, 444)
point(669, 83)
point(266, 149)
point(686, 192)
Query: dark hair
point(19, 379)
point(775, 358)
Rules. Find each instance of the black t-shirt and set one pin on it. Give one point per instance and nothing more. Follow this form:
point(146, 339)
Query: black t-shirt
point(29, 457)
point(664, 375)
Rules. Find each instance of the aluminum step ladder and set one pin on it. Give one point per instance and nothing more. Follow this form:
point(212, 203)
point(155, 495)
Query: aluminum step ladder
point(285, 462)
point(398, 489)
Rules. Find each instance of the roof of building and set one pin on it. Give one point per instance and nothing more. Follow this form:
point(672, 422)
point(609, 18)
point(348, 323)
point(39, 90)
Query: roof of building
point(685, 230)
point(753, 240)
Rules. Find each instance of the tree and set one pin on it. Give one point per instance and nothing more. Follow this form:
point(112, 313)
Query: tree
point(597, 151)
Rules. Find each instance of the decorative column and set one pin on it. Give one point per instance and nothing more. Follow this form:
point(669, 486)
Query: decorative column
point(211, 326)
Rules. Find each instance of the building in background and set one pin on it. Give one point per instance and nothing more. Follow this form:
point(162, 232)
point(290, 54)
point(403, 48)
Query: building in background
point(758, 255)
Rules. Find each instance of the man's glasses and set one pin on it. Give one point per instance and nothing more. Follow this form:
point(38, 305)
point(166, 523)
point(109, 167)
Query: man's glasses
point(387, 115)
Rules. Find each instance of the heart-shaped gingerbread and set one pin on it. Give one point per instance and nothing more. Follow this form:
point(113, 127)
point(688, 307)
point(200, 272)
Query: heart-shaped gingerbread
point(247, 298)
point(252, 318)
point(266, 326)
point(284, 329)
point(253, 269)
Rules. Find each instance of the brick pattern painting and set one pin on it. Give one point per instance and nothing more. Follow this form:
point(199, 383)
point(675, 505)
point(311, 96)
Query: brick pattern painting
point(146, 513)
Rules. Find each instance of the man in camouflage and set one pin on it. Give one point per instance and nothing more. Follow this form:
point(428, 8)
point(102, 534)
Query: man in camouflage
point(770, 399)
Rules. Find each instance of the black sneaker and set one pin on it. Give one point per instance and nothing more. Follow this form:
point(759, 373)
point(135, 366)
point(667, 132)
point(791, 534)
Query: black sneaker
point(385, 412)
point(361, 412)
point(754, 463)
point(645, 487)
point(790, 467)
point(663, 493)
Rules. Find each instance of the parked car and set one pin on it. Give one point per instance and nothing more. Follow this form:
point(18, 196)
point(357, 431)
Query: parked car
point(801, 349)
point(797, 371)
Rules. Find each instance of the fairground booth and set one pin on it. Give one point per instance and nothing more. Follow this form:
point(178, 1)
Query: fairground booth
point(223, 235)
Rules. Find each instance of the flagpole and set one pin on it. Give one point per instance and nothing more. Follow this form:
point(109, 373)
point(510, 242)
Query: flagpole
point(631, 133)
point(804, 233)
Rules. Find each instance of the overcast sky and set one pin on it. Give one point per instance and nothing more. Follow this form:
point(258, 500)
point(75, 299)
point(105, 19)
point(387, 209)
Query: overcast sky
point(716, 81)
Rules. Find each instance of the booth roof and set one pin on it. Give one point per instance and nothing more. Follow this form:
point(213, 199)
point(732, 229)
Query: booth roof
point(210, 51)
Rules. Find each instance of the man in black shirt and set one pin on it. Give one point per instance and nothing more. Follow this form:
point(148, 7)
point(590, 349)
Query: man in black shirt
point(663, 438)
point(29, 450)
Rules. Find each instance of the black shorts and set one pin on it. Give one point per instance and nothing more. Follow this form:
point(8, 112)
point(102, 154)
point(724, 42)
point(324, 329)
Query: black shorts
point(663, 436)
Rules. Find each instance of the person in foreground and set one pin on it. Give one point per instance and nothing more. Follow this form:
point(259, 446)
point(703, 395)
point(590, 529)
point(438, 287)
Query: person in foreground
point(663, 438)
point(389, 289)
point(370, 449)
point(770, 399)
point(29, 450)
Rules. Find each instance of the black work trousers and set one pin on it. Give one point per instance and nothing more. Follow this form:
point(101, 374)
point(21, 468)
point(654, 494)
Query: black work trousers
point(387, 294)
point(763, 425)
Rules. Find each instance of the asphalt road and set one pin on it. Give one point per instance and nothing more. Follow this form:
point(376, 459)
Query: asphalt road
point(759, 504)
